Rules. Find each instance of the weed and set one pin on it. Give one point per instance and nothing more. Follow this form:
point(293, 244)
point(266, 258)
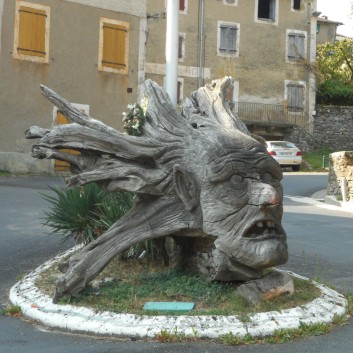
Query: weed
point(20, 277)
point(14, 311)
point(349, 298)
point(233, 340)
point(173, 335)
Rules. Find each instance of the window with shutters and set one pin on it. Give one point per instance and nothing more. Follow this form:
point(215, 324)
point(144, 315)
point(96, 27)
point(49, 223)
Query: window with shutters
point(31, 41)
point(181, 47)
point(295, 92)
point(228, 39)
point(296, 46)
point(183, 6)
point(180, 91)
point(113, 46)
point(266, 10)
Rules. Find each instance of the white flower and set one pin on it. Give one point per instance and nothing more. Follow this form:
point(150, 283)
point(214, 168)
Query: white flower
point(130, 106)
point(144, 104)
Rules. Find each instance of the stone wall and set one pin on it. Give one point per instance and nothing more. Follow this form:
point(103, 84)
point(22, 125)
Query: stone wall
point(333, 127)
point(341, 167)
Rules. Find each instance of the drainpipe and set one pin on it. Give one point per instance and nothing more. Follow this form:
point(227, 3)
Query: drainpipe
point(201, 43)
point(171, 50)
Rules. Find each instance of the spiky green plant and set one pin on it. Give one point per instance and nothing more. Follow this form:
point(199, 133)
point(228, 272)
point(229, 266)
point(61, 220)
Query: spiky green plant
point(84, 213)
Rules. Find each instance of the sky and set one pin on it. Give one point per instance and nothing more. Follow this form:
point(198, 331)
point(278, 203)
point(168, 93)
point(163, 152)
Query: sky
point(338, 10)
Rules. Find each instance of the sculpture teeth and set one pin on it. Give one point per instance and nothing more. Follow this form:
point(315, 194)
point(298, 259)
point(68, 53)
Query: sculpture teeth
point(260, 224)
point(270, 224)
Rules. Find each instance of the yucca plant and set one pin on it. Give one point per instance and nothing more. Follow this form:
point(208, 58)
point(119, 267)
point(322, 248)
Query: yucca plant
point(84, 213)
point(112, 208)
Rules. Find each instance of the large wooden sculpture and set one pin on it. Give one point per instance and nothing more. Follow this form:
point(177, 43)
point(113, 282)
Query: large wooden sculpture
point(199, 176)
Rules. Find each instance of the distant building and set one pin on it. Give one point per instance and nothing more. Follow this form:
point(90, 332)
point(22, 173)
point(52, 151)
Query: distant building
point(89, 51)
point(326, 30)
point(266, 45)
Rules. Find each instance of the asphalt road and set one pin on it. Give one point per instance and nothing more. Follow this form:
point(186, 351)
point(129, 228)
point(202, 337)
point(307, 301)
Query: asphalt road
point(320, 245)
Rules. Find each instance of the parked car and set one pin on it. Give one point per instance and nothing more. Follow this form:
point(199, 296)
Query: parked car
point(285, 153)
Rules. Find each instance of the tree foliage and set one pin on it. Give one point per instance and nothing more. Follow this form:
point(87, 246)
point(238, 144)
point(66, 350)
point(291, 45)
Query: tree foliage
point(335, 64)
point(335, 61)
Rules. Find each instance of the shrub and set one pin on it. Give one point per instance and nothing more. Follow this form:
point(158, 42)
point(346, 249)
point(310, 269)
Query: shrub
point(335, 93)
point(84, 213)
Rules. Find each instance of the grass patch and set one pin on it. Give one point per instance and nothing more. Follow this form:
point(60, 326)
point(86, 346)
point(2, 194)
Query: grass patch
point(127, 285)
point(279, 336)
point(316, 160)
point(5, 173)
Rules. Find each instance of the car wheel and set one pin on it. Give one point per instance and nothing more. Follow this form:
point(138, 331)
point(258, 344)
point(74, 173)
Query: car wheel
point(296, 168)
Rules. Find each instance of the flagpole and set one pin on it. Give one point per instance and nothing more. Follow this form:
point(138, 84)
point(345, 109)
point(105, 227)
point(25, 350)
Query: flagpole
point(171, 49)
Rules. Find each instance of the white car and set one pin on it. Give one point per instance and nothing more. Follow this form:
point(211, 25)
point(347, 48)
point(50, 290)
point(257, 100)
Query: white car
point(285, 153)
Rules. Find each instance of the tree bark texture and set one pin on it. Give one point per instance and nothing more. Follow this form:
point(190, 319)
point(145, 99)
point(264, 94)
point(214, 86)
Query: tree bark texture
point(198, 173)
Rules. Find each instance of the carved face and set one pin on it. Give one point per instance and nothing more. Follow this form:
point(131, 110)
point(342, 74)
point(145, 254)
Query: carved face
point(241, 200)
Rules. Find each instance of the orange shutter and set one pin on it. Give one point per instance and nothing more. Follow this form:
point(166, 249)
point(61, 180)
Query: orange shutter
point(62, 166)
point(114, 40)
point(31, 37)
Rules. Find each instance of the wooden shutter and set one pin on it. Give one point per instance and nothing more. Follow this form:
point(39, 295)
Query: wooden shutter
point(301, 45)
point(295, 97)
point(291, 46)
point(31, 36)
point(182, 5)
point(180, 47)
point(228, 39)
point(296, 46)
point(179, 92)
point(63, 166)
point(114, 43)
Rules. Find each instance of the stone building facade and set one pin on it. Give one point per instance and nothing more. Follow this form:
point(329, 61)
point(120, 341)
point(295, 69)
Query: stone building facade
point(66, 45)
point(266, 45)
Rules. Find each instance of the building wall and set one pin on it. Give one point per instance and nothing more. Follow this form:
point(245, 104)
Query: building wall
point(72, 69)
point(327, 31)
point(260, 65)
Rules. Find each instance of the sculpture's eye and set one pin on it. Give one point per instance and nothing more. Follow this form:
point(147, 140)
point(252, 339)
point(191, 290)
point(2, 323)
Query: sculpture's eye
point(237, 180)
point(269, 178)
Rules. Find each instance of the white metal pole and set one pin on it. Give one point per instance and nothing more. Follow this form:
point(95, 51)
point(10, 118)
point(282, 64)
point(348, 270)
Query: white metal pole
point(171, 49)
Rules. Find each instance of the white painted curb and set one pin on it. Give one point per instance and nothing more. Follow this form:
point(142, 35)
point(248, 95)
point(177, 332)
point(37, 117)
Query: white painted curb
point(38, 306)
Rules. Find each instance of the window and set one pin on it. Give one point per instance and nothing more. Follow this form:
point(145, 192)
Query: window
point(296, 5)
point(230, 2)
point(113, 46)
point(266, 10)
point(228, 39)
point(318, 28)
point(181, 47)
point(31, 32)
point(180, 90)
point(295, 96)
point(183, 6)
point(296, 45)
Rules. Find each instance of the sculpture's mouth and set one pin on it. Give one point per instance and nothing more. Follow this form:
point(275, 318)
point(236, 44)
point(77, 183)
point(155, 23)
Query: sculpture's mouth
point(264, 229)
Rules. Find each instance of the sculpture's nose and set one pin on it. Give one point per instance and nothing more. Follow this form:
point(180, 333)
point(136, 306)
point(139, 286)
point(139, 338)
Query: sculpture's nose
point(264, 194)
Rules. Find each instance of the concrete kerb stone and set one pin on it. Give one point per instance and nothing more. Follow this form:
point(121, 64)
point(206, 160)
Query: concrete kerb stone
point(39, 307)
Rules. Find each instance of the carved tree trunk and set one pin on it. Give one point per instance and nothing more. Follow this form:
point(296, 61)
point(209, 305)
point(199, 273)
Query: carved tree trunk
point(173, 167)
